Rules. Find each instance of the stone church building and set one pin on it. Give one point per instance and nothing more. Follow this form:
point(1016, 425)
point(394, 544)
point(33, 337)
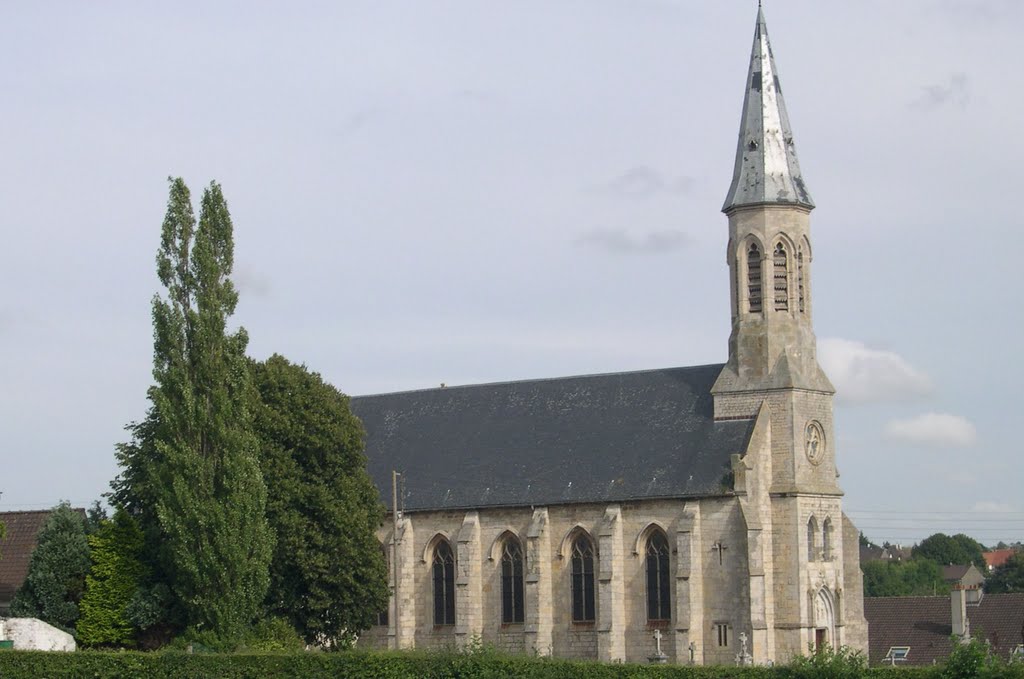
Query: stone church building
point(585, 516)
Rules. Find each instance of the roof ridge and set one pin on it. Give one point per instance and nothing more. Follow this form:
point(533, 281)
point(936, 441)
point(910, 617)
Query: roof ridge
point(537, 380)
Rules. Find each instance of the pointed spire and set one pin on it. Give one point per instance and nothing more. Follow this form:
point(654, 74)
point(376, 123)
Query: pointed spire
point(767, 171)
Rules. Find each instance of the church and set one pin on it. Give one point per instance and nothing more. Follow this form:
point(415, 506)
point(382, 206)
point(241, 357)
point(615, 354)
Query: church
point(687, 514)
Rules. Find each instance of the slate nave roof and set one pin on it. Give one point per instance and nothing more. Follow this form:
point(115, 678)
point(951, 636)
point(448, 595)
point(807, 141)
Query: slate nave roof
point(591, 438)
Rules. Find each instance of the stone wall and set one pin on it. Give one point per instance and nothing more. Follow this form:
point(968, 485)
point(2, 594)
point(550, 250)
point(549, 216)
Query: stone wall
point(706, 590)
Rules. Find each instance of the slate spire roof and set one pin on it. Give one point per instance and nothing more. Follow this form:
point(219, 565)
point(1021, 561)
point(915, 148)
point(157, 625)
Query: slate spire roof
point(767, 170)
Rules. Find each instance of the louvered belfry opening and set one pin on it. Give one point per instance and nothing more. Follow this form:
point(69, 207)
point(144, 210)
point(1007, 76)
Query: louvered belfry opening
point(781, 278)
point(800, 279)
point(754, 278)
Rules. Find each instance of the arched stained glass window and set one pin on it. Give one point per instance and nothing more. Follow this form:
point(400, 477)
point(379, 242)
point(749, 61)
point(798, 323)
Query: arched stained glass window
point(583, 605)
point(659, 594)
point(512, 581)
point(444, 584)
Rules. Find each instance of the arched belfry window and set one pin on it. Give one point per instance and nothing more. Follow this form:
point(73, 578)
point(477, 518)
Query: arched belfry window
point(444, 584)
point(781, 277)
point(754, 278)
point(826, 540)
point(812, 539)
point(800, 279)
point(512, 581)
point(659, 595)
point(583, 605)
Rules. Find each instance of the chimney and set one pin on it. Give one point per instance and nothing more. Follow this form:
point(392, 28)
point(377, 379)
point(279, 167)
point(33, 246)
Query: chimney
point(958, 613)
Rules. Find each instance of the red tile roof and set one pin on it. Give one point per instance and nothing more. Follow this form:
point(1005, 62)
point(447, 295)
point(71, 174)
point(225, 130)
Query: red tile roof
point(997, 557)
point(923, 623)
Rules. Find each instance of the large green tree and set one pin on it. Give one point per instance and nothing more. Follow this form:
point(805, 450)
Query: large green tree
point(56, 571)
point(328, 576)
point(1009, 577)
point(945, 550)
point(914, 577)
point(116, 574)
point(192, 471)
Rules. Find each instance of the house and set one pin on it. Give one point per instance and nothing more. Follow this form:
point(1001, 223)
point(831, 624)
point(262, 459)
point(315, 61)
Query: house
point(917, 630)
point(997, 557)
point(692, 512)
point(16, 550)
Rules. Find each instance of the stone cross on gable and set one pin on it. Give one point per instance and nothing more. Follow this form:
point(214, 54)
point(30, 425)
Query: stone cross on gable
point(720, 548)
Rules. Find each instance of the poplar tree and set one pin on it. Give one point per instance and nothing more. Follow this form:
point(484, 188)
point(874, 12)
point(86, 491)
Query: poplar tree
point(201, 473)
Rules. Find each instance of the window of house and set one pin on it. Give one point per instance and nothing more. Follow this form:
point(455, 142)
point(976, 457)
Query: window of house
point(659, 595)
point(583, 580)
point(382, 614)
point(512, 581)
point(781, 277)
point(754, 279)
point(444, 584)
point(897, 654)
point(812, 539)
point(826, 540)
point(722, 630)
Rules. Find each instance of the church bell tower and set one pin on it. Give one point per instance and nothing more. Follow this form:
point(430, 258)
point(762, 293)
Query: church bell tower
point(772, 352)
point(805, 584)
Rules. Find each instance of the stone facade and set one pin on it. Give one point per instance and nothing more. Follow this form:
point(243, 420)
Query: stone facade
point(740, 560)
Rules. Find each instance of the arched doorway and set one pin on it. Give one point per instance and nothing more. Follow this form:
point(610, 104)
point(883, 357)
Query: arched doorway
point(824, 619)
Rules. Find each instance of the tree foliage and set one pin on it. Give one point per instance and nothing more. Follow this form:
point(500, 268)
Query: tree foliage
point(56, 571)
point(192, 472)
point(328, 577)
point(914, 577)
point(116, 574)
point(1009, 577)
point(943, 549)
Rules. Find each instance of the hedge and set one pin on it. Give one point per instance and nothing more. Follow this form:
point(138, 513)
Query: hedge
point(377, 665)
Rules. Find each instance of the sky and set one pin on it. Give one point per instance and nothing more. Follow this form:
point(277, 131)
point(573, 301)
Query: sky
point(467, 191)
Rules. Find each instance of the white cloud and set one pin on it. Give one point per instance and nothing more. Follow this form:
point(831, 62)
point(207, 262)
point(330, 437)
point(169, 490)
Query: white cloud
point(936, 429)
point(865, 375)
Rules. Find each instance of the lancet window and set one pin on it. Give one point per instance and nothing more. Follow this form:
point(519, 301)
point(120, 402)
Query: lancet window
point(781, 277)
point(659, 595)
point(800, 279)
point(512, 581)
point(754, 278)
point(583, 604)
point(812, 539)
point(826, 540)
point(444, 584)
